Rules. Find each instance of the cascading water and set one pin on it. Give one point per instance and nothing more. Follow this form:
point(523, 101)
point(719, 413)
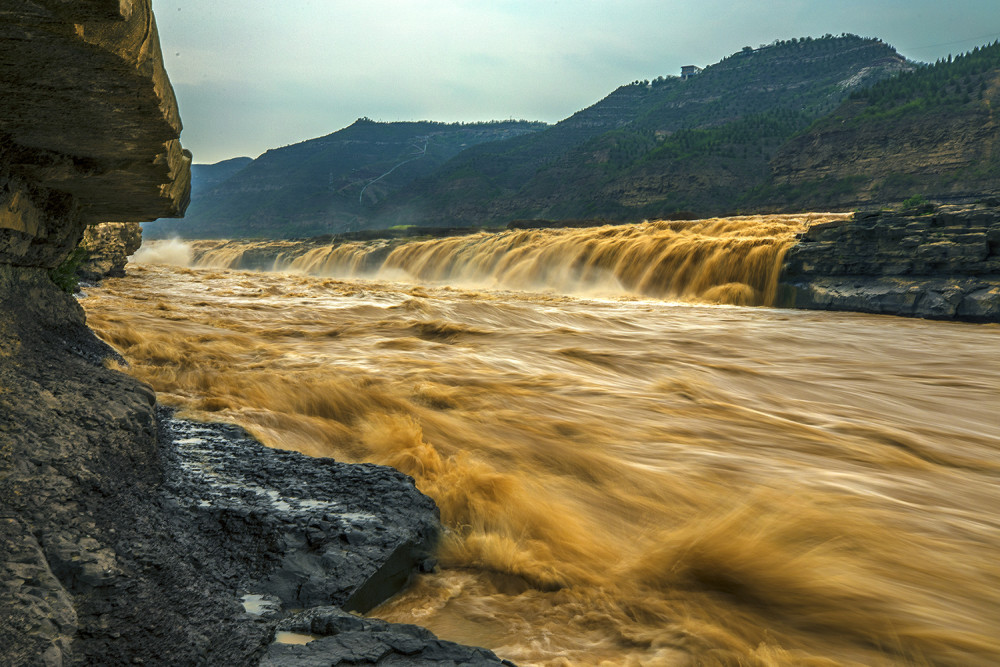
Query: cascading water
point(727, 260)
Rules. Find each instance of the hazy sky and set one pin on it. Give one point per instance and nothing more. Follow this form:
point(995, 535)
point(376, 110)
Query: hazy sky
point(257, 74)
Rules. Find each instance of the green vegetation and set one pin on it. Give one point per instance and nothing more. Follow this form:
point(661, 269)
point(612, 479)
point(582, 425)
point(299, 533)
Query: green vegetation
point(656, 147)
point(929, 130)
point(917, 205)
point(952, 82)
point(755, 134)
point(64, 275)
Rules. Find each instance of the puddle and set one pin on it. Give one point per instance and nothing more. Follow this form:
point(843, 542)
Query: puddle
point(293, 638)
point(260, 605)
point(275, 498)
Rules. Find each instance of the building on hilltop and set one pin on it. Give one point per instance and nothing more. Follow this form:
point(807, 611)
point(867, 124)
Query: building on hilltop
point(688, 71)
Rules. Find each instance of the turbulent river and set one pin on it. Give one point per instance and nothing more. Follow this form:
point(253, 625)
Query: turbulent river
point(624, 479)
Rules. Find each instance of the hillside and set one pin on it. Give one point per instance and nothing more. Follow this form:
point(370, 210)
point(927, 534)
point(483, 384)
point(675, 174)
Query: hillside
point(834, 123)
point(326, 184)
point(653, 148)
point(931, 132)
point(206, 177)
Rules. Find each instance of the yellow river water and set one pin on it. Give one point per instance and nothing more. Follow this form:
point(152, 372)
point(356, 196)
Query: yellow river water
point(624, 479)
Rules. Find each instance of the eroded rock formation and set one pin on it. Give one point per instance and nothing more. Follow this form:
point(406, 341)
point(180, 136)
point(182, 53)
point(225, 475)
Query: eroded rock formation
point(942, 265)
point(108, 246)
point(88, 113)
point(88, 131)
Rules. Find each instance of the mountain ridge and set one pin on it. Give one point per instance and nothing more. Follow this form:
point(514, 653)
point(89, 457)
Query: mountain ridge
point(745, 134)
point(307, 187)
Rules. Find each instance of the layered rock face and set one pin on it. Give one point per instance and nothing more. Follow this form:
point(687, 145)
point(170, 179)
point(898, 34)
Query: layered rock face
point(88, 131)
point(88, 116)
point(941, 265)
point(950, 156)
point(108, 246)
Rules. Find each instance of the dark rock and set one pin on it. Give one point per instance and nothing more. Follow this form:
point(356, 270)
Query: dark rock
point(94, 569)
point(337, 637)
point(941, 266)
point(118, 545)
point(347, 535)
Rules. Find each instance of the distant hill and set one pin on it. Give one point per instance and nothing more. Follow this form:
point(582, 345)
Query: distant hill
point(832, 123)
point(205, 177)
point(325, 184)
point(931, 132)
point(652, 148)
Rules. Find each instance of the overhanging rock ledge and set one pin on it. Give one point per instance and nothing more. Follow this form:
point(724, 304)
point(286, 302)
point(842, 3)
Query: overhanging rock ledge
point(89, 127)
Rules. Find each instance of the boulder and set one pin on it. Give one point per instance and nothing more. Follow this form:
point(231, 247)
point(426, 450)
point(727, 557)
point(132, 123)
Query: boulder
point(331, 533)
point(108, 246)
point(333, 637)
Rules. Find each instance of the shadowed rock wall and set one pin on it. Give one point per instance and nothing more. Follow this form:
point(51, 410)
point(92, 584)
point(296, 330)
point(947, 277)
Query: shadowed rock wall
point(88, 132)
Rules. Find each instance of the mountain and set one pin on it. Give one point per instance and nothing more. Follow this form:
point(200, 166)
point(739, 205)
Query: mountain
point(205, 177)
point(326, 184)
point(653, 148)
point(930, 132)
point(833, 123)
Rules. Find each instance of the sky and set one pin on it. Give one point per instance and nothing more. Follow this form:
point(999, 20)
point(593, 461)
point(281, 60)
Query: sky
point(257, 74)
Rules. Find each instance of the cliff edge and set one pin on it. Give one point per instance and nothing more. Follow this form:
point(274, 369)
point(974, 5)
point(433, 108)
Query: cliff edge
point(89, 131)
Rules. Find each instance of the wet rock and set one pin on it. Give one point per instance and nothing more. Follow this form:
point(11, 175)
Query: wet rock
point(335, 637)
point(94, 568)
point(347, 535)
point(980, 304)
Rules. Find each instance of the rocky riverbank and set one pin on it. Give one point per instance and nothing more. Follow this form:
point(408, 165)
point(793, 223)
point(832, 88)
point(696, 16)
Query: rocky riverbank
point(291, 532)
point(131, 536)
point(943, 264)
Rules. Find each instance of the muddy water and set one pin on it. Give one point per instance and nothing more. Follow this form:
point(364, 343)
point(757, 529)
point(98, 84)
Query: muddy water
point(719, 260)
point(624, 480)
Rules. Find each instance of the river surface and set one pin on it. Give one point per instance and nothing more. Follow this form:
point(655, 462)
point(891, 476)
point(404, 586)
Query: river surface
point(624, 480)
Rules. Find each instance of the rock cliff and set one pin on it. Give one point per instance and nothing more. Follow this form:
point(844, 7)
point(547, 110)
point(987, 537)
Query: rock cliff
point(931, 131)
point(943, 265)
point(88, 131)
point(950, 155)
